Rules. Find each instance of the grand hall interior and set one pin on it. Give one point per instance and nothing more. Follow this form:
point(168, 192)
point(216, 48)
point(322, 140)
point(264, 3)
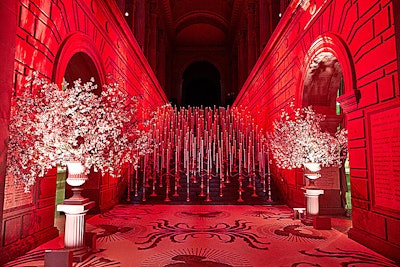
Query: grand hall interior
point(199, 133)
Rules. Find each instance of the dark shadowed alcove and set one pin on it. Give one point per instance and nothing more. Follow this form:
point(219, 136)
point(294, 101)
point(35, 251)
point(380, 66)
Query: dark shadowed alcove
point(324, 82)
point(201, 85)
point(82, 66)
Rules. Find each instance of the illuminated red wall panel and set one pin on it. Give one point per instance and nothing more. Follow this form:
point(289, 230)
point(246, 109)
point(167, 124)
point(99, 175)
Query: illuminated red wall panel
point(46, 35)
point(362, 37)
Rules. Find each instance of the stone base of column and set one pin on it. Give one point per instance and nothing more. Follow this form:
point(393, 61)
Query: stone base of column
point(74, 223)
point(312, 204)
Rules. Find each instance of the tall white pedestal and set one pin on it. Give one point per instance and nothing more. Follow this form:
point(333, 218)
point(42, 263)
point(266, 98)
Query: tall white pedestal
point(75, 223)
point(313, 201)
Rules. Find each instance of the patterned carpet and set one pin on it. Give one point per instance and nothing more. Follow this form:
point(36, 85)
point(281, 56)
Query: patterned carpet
point(213, 236)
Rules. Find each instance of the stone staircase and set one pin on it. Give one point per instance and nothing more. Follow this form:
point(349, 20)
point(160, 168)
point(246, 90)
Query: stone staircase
point(199, 195)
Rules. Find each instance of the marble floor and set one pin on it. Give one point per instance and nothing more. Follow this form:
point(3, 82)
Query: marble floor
point(213, 235)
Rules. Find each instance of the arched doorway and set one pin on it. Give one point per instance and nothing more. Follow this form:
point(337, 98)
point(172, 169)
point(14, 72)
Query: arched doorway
point(323, 83)
point(201, 85)
point(80, 66)
point(76, 58)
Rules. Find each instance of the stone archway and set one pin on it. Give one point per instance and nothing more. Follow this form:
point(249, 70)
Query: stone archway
point(322, 85)
point(81, 66)
point(328, 76)
point(78, 59)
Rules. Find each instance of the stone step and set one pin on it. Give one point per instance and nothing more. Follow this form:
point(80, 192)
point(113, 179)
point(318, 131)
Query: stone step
point(230, 192)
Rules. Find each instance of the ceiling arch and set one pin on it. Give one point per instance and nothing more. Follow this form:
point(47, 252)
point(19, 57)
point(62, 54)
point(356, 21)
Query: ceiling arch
point(201, 34)
point(201, 17)
point(206, 17)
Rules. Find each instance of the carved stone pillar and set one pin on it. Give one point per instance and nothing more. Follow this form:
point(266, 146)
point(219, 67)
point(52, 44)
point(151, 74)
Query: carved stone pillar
point(139, 22)
point(313, 201)
point(74, 223)
point(264, 23)
point(349, 101)
point(161, 58)
point(242, 58)
point(251, 36)
point(133, 15)
point(152, 48)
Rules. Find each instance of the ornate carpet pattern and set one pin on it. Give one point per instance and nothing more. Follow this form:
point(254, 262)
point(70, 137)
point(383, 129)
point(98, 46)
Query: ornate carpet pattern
point(223, 232)
point(212, 235)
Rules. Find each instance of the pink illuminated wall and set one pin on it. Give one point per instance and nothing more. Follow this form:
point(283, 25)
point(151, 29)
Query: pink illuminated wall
point(44, 36)
point(362, 37)
point(7, 51)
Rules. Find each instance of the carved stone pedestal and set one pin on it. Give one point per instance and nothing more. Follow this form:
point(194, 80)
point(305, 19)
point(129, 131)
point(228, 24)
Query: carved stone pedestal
point(312, 204)
point(75, 223)
point(313, 200)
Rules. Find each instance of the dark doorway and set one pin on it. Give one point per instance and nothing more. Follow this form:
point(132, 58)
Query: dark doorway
point(323, 84)
point(81, 66)
point(201, 85)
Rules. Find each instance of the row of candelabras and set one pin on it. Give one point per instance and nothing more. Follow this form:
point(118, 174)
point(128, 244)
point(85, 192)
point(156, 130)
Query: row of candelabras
point(200, 144)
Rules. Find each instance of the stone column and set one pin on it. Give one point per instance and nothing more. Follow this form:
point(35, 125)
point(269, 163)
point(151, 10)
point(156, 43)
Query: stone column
point(74, 223)
point(275, 10)
point(133, 16)
point(264, 23)
point(139, 24)
point(152, 48)
point(313, 200)
point(161, 58)
point(251, 36)
point(242, 58)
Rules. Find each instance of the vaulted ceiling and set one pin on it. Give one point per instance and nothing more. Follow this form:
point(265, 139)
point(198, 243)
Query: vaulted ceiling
point(228, 34)
point(201, 22)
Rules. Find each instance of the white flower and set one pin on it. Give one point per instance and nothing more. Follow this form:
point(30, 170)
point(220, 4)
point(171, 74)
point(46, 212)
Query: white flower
point(297, 138)
point(53, 126)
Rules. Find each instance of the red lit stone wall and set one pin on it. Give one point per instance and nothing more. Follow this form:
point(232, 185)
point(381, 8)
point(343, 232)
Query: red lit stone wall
point(8, 13)
point(361, 34)
point(45, 35)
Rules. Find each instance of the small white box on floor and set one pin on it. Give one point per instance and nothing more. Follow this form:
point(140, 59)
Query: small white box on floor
point(299, 213)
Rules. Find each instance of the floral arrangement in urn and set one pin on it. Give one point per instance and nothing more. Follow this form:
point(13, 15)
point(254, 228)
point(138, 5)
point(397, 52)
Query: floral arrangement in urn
point(50, 126)
point(297, 139)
